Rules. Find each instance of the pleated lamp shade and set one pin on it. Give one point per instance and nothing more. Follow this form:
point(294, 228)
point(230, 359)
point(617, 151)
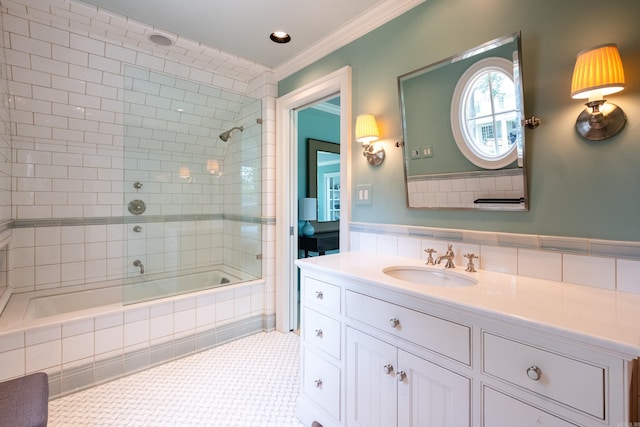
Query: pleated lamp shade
point(598, 72)
point(366, 129)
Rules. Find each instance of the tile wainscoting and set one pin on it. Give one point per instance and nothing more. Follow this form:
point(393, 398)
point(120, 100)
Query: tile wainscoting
point(83, 352)
point(613, 265)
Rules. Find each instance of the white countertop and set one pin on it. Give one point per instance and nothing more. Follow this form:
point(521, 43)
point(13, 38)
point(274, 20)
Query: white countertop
point(597, 316)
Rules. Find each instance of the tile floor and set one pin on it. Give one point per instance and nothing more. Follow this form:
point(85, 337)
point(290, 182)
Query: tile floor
point(249, 382)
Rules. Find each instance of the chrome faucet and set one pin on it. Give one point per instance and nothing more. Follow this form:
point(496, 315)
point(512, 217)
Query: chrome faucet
point(449, 255)
point(138, 263)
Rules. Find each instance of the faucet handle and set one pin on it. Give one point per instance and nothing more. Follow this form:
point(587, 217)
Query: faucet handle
point(430, 253)
point(470, 266)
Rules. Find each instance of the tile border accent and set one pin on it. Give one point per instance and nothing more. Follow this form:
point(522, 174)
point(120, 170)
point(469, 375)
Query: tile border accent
point(573, 245)
point(109, 220)
point(82, 377)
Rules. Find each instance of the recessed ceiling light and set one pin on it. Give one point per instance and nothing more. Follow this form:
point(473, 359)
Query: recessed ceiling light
point(160, 40)
point(280, 37)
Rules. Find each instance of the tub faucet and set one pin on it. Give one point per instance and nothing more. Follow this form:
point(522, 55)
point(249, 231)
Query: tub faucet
point(449, 255)
point(138, 263)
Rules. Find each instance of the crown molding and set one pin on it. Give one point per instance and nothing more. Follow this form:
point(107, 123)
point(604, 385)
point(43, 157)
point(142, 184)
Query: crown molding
point(352, 30)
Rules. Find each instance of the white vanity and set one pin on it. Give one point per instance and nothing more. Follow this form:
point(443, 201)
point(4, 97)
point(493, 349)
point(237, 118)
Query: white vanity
point(507, 351)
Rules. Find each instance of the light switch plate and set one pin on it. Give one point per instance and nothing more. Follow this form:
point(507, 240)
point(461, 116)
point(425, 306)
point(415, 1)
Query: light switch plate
point(363, 194)
point(426, 151)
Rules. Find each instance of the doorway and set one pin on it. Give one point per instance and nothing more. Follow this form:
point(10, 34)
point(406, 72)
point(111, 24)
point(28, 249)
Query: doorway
point(337, 83)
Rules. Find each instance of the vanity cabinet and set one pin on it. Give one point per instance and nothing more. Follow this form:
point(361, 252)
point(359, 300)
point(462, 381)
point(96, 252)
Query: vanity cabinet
point(375, 354)
point(387, 386)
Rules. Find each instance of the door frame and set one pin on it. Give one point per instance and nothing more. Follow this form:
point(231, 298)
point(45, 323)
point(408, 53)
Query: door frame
point(336, 83)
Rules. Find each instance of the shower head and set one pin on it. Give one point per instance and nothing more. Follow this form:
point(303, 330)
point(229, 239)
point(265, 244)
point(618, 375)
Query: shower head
point(227, 134)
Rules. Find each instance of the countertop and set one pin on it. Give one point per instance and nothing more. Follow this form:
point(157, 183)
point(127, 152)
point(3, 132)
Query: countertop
point(596, 316)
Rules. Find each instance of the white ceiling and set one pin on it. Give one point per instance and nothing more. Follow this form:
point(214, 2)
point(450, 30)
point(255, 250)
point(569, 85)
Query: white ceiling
point(242, 27)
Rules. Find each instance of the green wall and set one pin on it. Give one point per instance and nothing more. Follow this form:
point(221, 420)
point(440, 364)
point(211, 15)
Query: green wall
point(314, 124)
point(576, 187)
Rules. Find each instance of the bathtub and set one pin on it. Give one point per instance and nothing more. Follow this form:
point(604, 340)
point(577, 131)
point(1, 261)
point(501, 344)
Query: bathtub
point(33, 308)
point(88, 337)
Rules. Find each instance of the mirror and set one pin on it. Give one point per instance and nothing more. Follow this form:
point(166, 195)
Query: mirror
point(324, 178)
point(462, 130)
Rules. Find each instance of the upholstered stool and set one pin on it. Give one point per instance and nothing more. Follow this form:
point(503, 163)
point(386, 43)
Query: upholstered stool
point(24, 402)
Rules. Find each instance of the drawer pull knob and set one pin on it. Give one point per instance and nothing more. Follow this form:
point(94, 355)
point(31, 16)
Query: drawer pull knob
point(387, 369)
point(318, 383)
point(319, 333)
point(319, 294)
point(534, 373)
point(394, 322)
point(401, 376)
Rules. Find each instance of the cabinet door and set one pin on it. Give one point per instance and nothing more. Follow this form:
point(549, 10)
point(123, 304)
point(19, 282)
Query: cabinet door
point(371, 381)
point(431, 396)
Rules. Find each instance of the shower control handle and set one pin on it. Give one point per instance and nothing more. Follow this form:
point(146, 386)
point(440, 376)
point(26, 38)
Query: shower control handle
point(138, 263)
point(137, 228)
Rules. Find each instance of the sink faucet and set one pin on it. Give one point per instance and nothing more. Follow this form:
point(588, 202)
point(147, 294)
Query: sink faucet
point(138, 263)
point(449, 255)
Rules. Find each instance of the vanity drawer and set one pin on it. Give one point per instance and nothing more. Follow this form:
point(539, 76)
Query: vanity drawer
point(322, 331)
point(322, 294)
point(450, 339)
point(321, 382)
point(501, 410)
point(572, 382)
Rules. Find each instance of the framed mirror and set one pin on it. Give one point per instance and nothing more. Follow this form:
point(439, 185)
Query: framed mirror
point(324, 178)
point(462, 130)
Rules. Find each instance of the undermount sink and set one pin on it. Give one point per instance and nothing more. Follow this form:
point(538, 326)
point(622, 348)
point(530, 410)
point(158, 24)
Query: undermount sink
point(429, 276)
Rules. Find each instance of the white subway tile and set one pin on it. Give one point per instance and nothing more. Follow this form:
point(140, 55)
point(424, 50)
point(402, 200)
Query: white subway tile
point(77, 327)
point(68, 84)
point(42, 356)
point(136, 332)
point(48, 34)
point(98, 65)
point(33, 105)
point(86, 44)
point(161, 326)
point(77, 347)
point(589, 271)
point(495, 258)
point(27, 44)
point(540, 264)
point(19, 59)
point(72, 271)
point(47, 255)
point(119, 53)
point(12, 364)
point(628, 277)
point(70, 56)
point(43, 334)
point(85, 74)
point(109, 339)
point(15, 24)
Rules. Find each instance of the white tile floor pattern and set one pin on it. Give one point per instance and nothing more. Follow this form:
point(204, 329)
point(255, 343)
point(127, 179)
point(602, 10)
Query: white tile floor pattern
point(249, 382)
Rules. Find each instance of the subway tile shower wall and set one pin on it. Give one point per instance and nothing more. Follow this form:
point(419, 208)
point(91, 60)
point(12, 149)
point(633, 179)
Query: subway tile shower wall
point(70, 73)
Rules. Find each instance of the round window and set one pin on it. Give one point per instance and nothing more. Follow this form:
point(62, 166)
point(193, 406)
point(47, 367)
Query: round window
point(484, 118)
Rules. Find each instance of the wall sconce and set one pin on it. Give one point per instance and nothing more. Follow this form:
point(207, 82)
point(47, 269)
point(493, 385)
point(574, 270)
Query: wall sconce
point(598, 72)
point(366, 133)
point(184, 173)
point(308, 211)
point(213, 167)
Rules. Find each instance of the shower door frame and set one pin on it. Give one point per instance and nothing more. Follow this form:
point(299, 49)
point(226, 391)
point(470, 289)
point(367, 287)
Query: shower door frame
point(337, 83)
